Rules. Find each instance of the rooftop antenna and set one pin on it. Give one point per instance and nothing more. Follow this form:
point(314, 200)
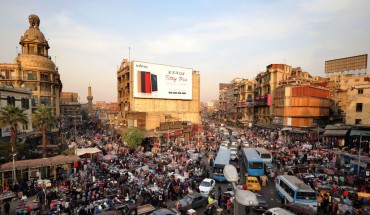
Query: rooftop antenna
point(55, 60)
point(16, 50)
point(129, 54)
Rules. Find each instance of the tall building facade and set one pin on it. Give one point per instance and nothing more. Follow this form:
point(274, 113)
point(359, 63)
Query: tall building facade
point(222, 91)
point(245, 110)
point(350, 98)
point(70, 109)
point(34, 69)
point(153, 95)
point(266, 83)
point(300, 105)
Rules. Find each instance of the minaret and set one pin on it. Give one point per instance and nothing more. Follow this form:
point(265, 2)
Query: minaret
point(89, 101)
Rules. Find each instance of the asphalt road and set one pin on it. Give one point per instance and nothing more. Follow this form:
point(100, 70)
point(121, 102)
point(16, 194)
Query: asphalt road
point(268, 192)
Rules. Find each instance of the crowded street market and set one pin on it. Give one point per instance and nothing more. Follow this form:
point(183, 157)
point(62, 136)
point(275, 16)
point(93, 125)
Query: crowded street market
point(105, 176)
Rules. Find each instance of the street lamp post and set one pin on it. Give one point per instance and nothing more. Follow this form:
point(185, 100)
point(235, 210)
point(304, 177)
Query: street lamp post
point(243, 197)
point(14, 173)
point(359, 157)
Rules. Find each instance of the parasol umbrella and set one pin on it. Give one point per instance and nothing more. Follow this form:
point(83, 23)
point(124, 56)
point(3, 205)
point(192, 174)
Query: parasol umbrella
point(109, 157)
point(113, 152)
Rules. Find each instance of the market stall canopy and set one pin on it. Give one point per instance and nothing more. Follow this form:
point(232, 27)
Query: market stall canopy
point(286, 129)
point(84, 151)
point(23, 164)
point(363, 133)
point(336, 130)
point(110, 157)
point(335, 133)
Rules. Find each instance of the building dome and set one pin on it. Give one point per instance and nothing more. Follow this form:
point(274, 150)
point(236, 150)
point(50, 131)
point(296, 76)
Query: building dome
point(33, 33)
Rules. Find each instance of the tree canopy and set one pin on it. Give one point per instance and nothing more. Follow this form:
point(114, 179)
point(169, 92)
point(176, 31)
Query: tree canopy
point(12, 116)
point(133, 137)
point(43, 119)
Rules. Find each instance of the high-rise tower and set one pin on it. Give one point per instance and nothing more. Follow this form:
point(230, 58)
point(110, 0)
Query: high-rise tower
point(89, 101)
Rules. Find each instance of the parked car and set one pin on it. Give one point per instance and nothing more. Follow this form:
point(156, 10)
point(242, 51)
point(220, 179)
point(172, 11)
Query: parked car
point(262, 204)
point(300, 208)
point(224, 145)
point(206, 186)
point(277, 211)
point(192, 201)
point(166, 211)
point(233, 153)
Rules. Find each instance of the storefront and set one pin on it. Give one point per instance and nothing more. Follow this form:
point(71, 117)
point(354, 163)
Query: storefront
point(44, 168)
point(335, 136)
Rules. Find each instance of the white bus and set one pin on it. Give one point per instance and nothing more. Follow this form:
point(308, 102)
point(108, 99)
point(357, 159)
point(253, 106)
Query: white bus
point(295, 190)
point(265, 155)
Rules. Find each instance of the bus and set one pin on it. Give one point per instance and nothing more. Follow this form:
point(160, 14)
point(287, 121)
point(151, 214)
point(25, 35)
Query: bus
point(265, 155)
point(254, 165)
point(222, 159)
point(295, 190)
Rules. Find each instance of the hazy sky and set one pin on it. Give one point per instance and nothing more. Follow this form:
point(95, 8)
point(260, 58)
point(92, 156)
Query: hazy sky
point(222, 39)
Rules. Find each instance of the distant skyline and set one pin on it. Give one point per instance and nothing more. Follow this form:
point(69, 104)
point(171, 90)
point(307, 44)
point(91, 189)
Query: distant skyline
point(221, 39)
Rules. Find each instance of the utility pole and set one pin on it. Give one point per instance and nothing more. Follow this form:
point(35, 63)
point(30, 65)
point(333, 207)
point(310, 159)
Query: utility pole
point(359, 157)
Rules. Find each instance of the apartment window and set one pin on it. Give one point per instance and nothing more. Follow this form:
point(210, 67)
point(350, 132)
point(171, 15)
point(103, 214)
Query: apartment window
point(45, 87)
point(357, 121)
point(360, 91)
point(29, 75)
point(358, 107)
point(25, 103)
point(249, 87)
point(45, 100)
point(45, 77)
point(10, 100)
point(34, 101)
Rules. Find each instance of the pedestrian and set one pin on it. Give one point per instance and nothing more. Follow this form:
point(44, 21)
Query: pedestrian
point(6, 208)
point(247, 209)
point(228, 206)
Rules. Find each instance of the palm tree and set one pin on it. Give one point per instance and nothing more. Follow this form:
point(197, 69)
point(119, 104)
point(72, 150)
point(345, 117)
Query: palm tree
point(12, 116)
point(44, 118)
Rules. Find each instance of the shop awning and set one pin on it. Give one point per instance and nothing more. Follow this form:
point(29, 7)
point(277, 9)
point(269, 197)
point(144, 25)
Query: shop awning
point(360, 133)
point(335, 133)
point(148, 134)
point(87, 151)
point(298, 131)
point(286, 129)
point(33, 163)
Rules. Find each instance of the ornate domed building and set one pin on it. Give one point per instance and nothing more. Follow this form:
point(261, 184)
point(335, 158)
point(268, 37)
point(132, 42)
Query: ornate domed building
point(34, 69)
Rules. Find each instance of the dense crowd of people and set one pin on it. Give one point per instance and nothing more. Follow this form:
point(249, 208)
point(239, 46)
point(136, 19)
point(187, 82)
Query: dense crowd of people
point(119, 178)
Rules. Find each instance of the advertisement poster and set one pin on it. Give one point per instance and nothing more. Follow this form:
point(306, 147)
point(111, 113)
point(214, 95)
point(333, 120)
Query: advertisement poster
point(161, 81)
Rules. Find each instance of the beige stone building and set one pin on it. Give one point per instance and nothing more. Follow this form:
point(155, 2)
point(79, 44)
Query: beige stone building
point(34, 69)
point(266, 83)
point(70, 109)
point(150, 111)
point(350, 96)
point(245, 107)
point(19, 97)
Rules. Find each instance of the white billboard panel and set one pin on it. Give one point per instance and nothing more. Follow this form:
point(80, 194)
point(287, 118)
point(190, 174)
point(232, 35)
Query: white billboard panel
point(161, 81)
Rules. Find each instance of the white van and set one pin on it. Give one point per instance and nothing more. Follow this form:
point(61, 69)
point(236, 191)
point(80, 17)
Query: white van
point(278, 211)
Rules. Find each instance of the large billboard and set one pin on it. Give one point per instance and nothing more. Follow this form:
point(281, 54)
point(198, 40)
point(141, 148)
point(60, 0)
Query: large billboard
point(346, 64)
point(161, 81)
